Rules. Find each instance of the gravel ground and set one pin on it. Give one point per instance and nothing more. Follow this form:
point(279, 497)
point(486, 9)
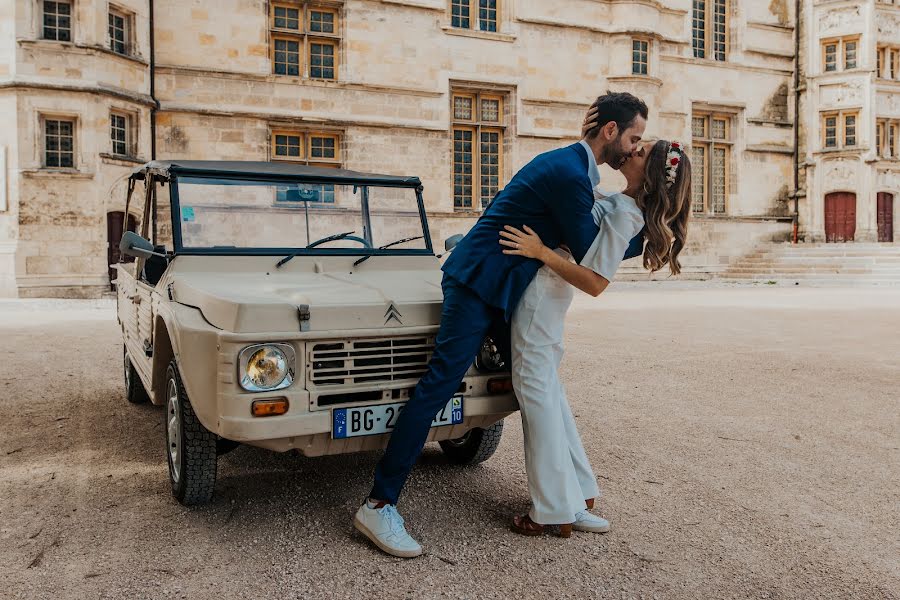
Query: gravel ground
point(746, 439)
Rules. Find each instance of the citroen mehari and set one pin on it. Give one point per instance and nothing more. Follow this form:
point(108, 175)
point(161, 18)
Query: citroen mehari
point(288, 307)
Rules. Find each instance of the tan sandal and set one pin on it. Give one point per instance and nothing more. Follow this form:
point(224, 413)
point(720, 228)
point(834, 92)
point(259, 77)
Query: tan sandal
point(525, 526)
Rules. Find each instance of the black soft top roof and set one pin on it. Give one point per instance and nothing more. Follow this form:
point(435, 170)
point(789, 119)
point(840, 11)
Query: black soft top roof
point(280, 171)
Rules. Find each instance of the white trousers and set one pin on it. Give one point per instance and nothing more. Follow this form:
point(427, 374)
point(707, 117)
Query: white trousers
point(560, 478)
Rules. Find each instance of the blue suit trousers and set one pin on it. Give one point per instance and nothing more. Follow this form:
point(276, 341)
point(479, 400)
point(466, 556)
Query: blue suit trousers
point(465, 321)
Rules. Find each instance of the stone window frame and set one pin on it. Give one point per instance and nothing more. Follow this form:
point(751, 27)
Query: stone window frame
point(477, 126)
point(131, 133)
point(42, 18)
point(304, 37)
point(887, 139)
point(305, 139)
point(115, 11)
point(704, 29)
point(706, 143)
point(888, 63)
point(840, 128)
point(474, 9)
point(637, 53)
point(840, 53)
point(43, 119)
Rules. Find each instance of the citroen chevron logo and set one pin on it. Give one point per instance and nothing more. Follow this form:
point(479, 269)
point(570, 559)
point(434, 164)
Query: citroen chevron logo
point(392, 313)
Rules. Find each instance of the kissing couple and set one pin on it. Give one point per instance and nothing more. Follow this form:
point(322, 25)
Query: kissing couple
point(547, 232)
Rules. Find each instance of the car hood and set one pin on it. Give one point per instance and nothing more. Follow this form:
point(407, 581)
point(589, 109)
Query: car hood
point(248, 303)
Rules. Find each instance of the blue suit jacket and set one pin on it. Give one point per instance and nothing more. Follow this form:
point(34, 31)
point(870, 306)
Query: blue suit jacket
point(552, 194)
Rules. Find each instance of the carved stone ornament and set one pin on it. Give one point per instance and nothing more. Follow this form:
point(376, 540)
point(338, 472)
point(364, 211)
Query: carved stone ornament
point(888, 24)
point(845, 93)
point(838, 19)
point(889, 105)
point(888, 180)
point(839, 172)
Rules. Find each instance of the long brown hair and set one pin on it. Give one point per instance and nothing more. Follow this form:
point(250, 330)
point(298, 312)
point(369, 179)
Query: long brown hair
point(666, 208)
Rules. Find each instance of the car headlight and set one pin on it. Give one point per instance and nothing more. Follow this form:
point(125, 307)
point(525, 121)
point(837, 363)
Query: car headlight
point(266, 367)
point(489, 358)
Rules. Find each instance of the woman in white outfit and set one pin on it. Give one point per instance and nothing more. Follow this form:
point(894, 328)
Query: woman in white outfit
point(657, 199)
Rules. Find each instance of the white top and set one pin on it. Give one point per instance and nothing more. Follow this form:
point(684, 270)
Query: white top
point(619, 219)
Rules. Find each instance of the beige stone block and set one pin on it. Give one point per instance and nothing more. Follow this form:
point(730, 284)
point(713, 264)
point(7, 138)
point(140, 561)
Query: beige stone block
point(207, 39)
point(164, 35)
point(87, 265)
point(232, 53)
point(45, 265)
point(199, 14)
point(231, 136)
point(258, 50)
point(306, 104)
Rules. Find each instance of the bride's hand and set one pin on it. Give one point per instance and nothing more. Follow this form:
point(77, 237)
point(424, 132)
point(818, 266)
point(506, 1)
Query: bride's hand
point(590, 120)
point(522, 243)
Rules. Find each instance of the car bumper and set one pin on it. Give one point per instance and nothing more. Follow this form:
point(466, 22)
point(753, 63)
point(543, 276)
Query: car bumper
point(310, 432)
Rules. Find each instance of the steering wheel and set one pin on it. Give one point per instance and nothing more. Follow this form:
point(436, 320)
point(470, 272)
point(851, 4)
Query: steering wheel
point(332, 238)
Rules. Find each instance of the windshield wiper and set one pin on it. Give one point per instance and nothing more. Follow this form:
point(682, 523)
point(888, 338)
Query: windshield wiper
point(404, 240)
point(330, 238)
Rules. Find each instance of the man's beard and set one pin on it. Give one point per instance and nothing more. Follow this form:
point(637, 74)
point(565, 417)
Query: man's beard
point(614, 156)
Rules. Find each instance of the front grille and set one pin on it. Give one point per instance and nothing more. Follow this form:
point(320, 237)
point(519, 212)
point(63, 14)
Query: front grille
point(369, 360)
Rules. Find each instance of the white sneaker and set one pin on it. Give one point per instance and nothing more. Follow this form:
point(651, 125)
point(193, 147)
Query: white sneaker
point(384, 526)
point(585, 521)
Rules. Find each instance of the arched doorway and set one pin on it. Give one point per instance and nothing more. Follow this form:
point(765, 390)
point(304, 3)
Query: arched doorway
point(115, 222)
point(840, 217)
point(885, 217)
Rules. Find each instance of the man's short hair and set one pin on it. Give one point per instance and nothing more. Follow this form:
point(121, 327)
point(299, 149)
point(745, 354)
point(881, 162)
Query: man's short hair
point(621, 107)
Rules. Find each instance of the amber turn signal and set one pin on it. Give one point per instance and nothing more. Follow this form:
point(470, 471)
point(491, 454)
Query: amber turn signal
point(500, 386)
point(268, 408)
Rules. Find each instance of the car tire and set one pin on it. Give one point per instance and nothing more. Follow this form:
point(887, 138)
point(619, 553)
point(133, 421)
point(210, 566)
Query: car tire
point(135, 392)
point(475, 447)
point(190, 447)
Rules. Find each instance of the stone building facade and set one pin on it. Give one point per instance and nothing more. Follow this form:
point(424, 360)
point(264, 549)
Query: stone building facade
point(851, 144)
point(461, 93)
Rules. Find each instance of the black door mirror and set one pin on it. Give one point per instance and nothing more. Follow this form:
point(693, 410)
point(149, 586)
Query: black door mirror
point(452, 241)
point(134, 245)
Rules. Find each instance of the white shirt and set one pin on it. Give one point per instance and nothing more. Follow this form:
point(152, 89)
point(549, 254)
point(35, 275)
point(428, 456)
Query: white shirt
point(619, 220)
point(593, 169)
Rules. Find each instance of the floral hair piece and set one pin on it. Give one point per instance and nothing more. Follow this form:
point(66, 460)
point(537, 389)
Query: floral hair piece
point(673, 159)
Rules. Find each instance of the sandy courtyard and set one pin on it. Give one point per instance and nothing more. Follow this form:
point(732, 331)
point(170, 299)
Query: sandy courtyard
point(747, 440)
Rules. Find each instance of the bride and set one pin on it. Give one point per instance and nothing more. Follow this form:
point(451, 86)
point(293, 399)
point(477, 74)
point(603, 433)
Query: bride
point(657, 198)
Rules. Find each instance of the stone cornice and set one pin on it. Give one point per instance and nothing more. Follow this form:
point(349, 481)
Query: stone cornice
point(728, 65)
point(85, 49)
point(136, 98)
point(278, 79)
point(605, 30)
point(299, 117)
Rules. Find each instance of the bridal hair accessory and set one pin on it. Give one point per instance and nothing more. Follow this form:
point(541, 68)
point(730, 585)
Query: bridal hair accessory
point(673, 159)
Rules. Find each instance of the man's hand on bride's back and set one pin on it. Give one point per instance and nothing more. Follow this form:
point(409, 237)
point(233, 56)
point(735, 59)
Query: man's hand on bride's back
point(523, 243)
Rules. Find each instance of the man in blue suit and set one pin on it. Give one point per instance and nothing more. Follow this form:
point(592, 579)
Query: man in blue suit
point(553, 194)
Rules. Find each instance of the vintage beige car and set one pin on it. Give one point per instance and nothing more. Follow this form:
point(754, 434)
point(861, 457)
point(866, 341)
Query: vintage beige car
point(288, 307)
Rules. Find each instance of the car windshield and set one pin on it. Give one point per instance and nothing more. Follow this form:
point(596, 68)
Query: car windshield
point(238, 214)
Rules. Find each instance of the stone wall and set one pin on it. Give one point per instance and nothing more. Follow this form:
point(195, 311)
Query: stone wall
point(399, 61)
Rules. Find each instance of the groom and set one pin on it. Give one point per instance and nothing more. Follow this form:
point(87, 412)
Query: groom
point(553, 194)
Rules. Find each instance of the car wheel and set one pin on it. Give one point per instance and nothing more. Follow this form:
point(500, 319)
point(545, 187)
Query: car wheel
point(191, 447)
point(475, 447)
point(135, 392)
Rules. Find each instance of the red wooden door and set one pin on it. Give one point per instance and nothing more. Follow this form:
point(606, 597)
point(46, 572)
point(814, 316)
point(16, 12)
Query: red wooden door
point(885, 217)
point(114, 230)
point(840, 217)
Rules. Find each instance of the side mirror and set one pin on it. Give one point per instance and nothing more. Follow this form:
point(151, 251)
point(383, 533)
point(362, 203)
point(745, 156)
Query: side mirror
point(134, 245)
point(452, 241)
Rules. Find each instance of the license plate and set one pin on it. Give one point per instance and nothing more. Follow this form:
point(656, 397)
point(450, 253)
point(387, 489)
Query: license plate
point(373, 420)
